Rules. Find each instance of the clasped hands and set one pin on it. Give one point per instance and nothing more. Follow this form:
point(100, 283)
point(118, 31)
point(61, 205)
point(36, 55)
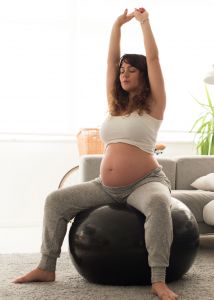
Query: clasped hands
point(140, 15)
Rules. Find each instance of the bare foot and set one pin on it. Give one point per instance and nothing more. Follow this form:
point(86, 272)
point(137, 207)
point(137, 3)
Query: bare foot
point(38, 275)
point(163, 292)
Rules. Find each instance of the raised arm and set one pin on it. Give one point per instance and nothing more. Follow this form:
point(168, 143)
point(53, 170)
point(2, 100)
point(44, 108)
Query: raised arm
point(114, 50)
point(156, 80)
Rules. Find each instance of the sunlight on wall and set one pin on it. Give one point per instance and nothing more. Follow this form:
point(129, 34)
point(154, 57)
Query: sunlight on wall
point(53, 60)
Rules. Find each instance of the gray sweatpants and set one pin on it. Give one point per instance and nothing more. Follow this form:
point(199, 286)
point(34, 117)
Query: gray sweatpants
point(150, 195)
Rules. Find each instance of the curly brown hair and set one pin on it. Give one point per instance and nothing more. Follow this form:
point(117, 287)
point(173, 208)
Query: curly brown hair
point(120, 98)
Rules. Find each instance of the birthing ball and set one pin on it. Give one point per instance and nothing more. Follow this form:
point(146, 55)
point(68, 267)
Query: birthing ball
point(107, 245)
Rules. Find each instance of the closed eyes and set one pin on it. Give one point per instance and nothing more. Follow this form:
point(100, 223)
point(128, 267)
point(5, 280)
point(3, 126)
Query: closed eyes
point(130, 69)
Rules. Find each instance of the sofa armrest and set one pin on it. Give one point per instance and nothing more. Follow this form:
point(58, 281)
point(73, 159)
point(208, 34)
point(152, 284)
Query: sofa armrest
point(90, 166)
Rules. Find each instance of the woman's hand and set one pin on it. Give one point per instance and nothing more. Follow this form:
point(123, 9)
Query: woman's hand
point(141, 14)
point(125, 17)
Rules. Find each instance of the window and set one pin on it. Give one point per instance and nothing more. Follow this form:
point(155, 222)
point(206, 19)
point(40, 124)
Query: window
point(53, 60)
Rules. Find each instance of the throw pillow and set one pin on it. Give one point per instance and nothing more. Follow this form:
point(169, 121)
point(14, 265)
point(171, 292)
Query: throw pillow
point(205, 183)
point(208, 213)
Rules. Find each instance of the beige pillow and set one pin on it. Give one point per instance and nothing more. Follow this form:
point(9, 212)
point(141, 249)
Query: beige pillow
point(208, 213)
point(205, 183)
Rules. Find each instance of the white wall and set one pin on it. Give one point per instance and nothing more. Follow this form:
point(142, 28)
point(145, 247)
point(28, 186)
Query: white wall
point(31, 168)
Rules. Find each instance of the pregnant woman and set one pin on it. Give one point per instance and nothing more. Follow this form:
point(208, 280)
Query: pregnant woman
point(129, 171)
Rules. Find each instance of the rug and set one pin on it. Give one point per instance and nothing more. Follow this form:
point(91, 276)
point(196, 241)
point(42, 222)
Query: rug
point(197, 284)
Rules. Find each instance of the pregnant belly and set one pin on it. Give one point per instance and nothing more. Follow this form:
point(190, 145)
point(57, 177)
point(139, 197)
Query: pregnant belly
point(123, 164)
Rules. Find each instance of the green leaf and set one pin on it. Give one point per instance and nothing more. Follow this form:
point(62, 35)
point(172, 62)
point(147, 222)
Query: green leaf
point(212, 145)
point(204, 127)
point(201, 119)
point(200, 103)
point(209, 100)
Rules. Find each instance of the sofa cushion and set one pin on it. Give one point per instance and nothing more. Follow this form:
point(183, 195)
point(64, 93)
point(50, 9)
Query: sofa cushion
point(195, 200)
point(192, 167)
point(205, 229)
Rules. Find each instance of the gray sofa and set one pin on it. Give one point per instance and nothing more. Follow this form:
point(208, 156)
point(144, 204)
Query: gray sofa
point(181, 171)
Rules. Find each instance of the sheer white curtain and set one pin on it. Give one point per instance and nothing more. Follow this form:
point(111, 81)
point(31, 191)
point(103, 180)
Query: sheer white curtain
point(53, 60)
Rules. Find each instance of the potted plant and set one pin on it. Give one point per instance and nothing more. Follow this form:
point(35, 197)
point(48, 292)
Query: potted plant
point(204, 127)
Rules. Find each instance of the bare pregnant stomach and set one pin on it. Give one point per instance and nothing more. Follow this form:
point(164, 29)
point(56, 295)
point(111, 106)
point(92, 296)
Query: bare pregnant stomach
point(123, 164)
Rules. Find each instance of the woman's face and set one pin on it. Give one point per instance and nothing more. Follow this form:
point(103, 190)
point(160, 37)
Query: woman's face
point(130, 78)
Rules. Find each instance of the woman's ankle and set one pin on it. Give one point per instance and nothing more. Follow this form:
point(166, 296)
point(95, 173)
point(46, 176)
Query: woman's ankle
point(47, 263)
point(158, 274)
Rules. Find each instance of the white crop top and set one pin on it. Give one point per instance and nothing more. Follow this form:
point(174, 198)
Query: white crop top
point(134, 129)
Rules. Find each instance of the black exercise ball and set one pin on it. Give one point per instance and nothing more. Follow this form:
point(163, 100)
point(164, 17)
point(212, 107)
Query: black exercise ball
point(107, 246)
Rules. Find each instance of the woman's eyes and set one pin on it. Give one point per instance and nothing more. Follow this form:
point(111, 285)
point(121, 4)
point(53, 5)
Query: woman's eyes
point(131, 70)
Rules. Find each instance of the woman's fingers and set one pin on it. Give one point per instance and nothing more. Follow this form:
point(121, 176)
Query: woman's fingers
point(141, 9)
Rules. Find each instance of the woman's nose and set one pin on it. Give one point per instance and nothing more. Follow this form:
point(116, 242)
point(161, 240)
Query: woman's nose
point(126, 73)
